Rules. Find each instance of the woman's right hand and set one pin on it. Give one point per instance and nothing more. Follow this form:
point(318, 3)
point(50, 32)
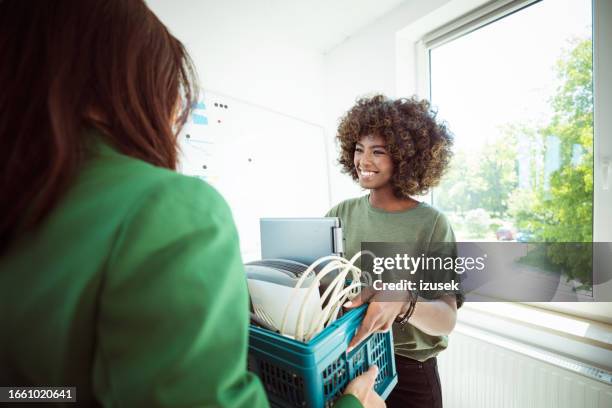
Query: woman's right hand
point(362, 387)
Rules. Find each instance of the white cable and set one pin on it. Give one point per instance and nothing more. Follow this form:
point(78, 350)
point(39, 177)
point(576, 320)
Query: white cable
point(330, 267)
point(338, 285)
point(335, 284)
point(339, 294)
point(300, 281)
point(334, 287)
point(326, 319)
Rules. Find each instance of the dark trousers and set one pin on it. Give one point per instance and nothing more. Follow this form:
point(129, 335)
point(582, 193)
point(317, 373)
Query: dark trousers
point(418, 384)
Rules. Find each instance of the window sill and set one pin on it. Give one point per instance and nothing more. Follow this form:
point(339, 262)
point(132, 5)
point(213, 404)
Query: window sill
point(574, 337)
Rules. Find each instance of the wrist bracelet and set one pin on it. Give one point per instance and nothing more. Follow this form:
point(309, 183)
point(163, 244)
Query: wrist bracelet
point(404, 319)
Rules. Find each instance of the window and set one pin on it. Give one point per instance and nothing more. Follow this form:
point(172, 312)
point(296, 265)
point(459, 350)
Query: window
point(514, 80)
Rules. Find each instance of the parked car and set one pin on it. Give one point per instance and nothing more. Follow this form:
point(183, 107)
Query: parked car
point(524, 236)
point(504, 234)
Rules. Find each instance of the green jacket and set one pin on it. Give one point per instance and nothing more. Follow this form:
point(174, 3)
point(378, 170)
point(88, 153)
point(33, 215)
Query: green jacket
point(133, 291)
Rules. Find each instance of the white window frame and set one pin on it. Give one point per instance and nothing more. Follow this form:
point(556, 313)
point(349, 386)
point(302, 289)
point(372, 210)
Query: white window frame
point(582, 330)
point(602, 81)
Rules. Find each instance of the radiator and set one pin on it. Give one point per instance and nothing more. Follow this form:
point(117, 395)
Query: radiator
point(477, 372)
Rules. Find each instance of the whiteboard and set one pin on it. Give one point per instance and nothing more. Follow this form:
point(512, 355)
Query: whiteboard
point(264, 163)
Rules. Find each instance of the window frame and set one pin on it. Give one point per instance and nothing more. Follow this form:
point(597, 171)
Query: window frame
point(601, 308)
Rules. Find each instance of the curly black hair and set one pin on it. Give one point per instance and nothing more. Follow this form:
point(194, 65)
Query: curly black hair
point(419, 145)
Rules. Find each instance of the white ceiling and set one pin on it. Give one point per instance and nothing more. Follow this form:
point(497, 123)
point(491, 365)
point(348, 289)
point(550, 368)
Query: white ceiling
point(315, 25)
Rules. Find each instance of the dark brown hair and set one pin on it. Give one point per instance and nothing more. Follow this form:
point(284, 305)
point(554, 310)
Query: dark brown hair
point(419, 145)
point(66, 62)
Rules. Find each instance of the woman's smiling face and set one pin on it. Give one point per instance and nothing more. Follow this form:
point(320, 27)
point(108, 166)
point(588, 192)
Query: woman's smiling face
point(373, 162)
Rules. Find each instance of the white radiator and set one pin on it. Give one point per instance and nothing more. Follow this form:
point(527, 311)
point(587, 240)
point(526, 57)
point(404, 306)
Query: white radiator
point(476, 372)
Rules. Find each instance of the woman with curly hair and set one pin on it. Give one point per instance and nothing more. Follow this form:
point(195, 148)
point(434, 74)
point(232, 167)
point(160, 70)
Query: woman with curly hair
point(396, 149)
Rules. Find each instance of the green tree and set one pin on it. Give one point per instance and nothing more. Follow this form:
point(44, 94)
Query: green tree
point(456, 191)
point(498, 172)
point(485, 180)
point(564, 211)
point(571, 186)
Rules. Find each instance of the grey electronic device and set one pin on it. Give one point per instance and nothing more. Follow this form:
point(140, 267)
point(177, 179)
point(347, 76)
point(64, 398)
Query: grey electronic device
point(301, 239)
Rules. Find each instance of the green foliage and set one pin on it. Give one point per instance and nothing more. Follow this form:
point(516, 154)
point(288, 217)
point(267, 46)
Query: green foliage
point(498, 172)
point(477, 222)
point(482, 187)
point(563, 212)
point(484, 181)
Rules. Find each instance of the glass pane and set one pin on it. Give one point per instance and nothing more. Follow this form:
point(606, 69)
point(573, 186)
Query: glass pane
point(518, 95)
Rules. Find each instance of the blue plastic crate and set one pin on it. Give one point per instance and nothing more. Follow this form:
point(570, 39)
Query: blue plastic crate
point(315, 374)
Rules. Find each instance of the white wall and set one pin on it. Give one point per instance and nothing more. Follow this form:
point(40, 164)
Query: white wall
point(239, 54)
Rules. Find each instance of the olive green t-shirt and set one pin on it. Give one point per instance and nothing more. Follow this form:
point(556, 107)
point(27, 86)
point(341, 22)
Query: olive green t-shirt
point(423, 225)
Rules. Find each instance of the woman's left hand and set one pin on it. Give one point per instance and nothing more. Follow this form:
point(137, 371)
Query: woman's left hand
point(379, 317)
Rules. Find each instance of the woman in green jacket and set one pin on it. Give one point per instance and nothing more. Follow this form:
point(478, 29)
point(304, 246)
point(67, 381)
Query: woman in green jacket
point(118, 276)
